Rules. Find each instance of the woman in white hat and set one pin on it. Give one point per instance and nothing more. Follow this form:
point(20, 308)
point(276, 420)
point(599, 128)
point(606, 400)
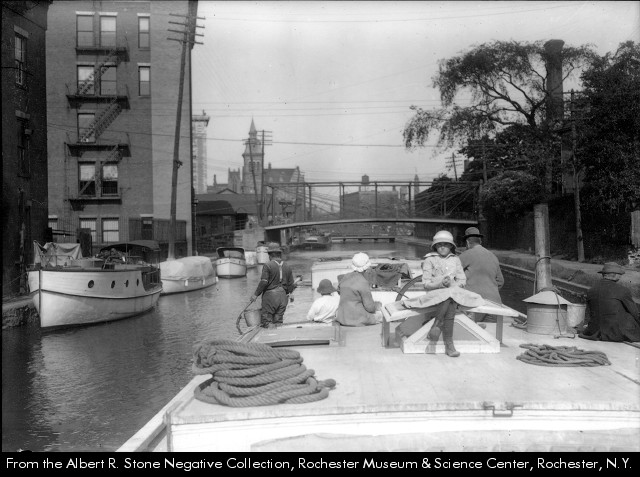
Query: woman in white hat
point(440, 269)
point(357, 307)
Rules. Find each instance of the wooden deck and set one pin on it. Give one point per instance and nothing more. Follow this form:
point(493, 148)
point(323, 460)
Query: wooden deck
point(388, 400)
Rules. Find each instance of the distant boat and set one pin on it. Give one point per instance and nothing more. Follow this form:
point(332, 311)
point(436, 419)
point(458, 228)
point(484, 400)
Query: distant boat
point(68, 289)
point(187, 274)
point(316, 240)
point(231, 262)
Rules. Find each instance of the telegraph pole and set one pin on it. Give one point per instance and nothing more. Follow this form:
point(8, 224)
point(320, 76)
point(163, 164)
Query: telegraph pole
point(267, 140)
point(188, 37)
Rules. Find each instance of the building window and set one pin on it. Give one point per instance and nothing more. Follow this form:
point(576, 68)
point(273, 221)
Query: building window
point(147, 228)
point(110, 179)
point(87, 183)
point(143, 32)
point(86, 80)
point(91, 225)
point(86, 131)
point(108, 82)
point(145, 80)
point(108, 31)
point(110, 231)
point(21, 60)
point(23, 146)
point(84, 30)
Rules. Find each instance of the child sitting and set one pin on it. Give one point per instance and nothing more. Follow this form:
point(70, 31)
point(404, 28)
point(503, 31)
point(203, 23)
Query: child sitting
point(324, 309)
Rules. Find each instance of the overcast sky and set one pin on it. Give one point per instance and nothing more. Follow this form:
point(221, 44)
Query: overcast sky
point(332, 82)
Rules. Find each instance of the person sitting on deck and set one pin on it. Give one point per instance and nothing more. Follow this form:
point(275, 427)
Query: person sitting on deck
point(324, 309)
point(357, 307)
point(613, 315)
point(440, 270)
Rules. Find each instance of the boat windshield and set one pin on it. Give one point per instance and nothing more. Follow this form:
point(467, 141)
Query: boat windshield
point(231, 254)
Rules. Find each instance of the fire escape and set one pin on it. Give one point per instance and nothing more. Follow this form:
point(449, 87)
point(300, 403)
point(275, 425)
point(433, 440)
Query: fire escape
point(108, 105)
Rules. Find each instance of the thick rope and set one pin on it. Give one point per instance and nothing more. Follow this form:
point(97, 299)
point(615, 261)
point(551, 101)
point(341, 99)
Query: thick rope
point(546, 355)
point(251, 374)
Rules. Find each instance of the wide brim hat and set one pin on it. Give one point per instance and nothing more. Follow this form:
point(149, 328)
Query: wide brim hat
point(612, 267)
point(325, 287)
point(472, 232)
point(443, 236)
point(360, 262)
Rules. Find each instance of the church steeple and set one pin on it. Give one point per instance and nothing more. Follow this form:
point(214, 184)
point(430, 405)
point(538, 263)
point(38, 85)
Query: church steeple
point(253, 156)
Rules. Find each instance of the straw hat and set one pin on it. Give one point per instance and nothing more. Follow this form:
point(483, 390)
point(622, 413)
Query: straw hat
point(443, 237)
point(360, 262)
point(612, 267)
point(325, 287)
point(472, 232)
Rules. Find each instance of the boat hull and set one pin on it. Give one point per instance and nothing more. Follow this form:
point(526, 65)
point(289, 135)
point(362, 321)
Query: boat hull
point(70, 297)
point(179, 285)
point(231, 268)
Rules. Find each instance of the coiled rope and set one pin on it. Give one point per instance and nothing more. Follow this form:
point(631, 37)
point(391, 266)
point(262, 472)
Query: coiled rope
point(546, 355)
point(253, 374)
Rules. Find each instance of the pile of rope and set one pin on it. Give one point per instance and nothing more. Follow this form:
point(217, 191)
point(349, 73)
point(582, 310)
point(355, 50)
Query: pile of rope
point(546, 355)
point(253, 374)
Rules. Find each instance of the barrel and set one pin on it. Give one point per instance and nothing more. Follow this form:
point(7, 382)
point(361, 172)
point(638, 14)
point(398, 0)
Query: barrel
point(262, 254)
point(575, 314)
point(546, 319)
point(252, 317)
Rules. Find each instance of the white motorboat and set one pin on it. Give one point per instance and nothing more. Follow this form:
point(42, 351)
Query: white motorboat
point(231, 262)
point(187, 274)
point(69, 290)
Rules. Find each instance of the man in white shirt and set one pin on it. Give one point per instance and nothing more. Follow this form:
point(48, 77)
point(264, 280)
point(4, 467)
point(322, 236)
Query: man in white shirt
point(324, 308)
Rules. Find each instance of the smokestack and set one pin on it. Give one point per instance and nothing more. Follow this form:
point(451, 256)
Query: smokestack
point(553, 49)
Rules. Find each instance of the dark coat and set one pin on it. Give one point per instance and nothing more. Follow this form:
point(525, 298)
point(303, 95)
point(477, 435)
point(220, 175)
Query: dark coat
point(357, 307)
point(613, 315)
point(482, 269)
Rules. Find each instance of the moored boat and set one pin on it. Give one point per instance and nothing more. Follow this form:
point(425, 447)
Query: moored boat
point(314, 239)
point(231, 262)
point(187, 274)
point(69, 290)
point(411, 396)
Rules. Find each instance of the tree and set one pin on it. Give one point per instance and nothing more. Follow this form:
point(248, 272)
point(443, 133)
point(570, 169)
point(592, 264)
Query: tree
point(507, 81)
point(511, 194)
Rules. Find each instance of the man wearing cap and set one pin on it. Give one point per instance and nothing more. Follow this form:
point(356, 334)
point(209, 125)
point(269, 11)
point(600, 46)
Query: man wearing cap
point(324, 309)
point(276, 283)
point(613, 315)
point(357, 307)
point(482, 270)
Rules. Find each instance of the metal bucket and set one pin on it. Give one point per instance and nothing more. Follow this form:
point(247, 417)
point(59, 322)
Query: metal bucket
point(262, 255)
point(546, 319)
point(252, 317)
point(575, 314)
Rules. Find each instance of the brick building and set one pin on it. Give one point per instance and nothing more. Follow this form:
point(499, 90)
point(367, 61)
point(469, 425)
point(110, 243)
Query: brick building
point(24, 138)
point(112, 91)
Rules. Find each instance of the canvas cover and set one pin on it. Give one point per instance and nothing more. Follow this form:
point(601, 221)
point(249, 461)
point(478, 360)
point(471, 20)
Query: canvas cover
point(56, 254)
point(186, 267)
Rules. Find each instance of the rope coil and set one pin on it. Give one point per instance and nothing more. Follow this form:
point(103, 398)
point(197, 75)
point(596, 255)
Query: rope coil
point(546, 355)
point(252, 374)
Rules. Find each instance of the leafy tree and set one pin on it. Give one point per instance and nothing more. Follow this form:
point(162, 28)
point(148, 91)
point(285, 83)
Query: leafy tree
point(511, 194)
point(607, 124)
point(507, 82)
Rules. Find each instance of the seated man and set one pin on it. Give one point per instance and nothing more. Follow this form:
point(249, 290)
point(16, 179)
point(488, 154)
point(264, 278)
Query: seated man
point(324, 309)
point(613, 315)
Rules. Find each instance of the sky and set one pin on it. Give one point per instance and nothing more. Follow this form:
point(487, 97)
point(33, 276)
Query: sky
point(331, 82)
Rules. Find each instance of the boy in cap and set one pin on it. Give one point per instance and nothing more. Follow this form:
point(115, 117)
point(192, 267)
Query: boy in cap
point(324, 309)
point(613, 315)
point(482, 270)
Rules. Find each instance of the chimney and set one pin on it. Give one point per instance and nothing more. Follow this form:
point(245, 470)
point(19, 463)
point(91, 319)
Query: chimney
point(553, 50)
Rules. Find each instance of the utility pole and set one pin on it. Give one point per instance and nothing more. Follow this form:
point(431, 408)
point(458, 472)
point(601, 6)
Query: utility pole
point(188, 38)
point(267, 140)
point(576, 183)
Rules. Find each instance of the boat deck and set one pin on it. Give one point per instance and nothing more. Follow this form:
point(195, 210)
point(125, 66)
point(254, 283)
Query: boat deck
point(389, 400)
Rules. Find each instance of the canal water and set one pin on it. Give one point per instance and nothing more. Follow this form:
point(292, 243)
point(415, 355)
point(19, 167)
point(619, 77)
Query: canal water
point(91, 388)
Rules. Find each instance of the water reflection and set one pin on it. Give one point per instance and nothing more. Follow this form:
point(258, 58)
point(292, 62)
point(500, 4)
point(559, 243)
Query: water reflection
point(91, 388)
